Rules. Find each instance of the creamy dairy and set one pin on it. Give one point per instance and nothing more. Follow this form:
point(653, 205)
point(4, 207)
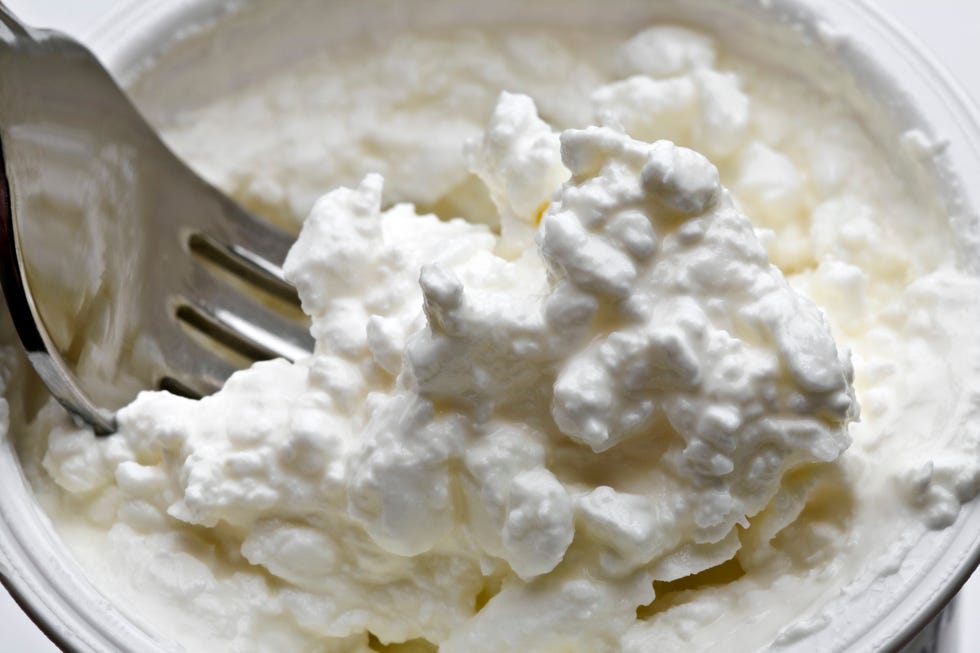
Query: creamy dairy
point(590, 416)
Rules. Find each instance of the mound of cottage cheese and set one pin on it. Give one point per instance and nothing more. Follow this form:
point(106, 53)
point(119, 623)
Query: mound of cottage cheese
point(606, 412)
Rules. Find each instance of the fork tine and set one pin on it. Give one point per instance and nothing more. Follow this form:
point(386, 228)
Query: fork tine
point(244, 244)
point(196, 367)
point(265, 332)
point(246, 265)
point(252, 234)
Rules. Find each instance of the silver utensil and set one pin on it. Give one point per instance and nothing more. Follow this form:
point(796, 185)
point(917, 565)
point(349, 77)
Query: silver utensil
point(122, 269)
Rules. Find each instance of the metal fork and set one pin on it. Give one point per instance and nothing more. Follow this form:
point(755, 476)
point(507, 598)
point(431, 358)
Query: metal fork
point(122, 269)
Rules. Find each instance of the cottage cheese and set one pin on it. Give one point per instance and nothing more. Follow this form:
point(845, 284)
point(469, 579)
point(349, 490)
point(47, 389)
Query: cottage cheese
point(606, 412)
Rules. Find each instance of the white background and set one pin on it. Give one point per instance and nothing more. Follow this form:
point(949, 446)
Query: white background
point(949, 28)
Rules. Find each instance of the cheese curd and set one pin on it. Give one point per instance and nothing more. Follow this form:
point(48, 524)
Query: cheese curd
point(603, 410)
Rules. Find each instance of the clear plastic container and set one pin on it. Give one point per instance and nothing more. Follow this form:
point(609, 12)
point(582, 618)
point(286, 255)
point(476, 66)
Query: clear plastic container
point(892, 76)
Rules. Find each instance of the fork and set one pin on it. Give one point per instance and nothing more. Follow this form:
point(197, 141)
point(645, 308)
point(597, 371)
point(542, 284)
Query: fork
point(122, 269)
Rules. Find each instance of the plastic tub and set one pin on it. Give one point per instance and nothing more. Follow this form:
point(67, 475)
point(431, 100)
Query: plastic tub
point(156, 49)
